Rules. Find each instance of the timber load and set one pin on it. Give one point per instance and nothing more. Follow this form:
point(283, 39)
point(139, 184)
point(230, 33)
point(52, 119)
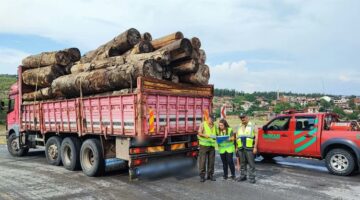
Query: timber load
point(114, 66)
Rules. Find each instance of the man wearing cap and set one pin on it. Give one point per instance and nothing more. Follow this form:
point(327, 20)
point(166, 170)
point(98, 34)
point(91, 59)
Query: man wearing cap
point(247, 141)
point(206, 135)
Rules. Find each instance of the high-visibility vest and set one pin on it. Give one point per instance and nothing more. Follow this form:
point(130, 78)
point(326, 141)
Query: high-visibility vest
point(226, 146)
point(209, 142)
point(246, 136)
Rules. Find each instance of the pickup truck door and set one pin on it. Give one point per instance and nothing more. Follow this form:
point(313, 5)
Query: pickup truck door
point(306, 135)
point(276, 137)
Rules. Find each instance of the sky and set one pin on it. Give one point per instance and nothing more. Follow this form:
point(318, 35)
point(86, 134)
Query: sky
point(251, 45)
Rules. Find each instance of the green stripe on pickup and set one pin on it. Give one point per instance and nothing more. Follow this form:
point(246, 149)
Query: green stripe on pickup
point(306, 145)
point(300, 139)
point(297, 132)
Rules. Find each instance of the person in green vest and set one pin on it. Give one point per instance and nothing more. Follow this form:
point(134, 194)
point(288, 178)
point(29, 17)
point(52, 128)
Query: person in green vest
point(206, 135)
point(227, 148)
point(247, 141)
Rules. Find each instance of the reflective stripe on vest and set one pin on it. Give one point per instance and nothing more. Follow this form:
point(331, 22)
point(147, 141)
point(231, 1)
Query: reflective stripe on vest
point(227, 146)
point(209, 142)
point(246, 136)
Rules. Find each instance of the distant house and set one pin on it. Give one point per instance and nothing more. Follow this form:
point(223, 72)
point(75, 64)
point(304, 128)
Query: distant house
point(348, 111)
point(312, 109)
point(342, 103)
point(326, 98)
point(246, 105)
point(357, 101)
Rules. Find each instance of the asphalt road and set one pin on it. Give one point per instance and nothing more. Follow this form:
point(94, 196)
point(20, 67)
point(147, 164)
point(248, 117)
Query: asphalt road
point(287, 178)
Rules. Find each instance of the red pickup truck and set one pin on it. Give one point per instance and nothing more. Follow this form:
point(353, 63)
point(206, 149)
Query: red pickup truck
point(313, 135)
point(159, 119)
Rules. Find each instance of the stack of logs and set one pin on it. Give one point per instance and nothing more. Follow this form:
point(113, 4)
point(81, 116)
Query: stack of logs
point(114, 66)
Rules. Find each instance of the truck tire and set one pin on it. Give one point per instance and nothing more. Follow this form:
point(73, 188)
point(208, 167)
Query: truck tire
point(340, 162)
point(91, 158)
point(70, 153)
point(52, 150)
point(12, 145)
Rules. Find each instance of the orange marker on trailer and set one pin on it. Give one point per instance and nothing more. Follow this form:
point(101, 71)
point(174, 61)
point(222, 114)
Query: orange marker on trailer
point(151, 121)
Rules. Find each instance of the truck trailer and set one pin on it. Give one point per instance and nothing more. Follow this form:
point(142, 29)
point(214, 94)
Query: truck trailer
point(156, 120)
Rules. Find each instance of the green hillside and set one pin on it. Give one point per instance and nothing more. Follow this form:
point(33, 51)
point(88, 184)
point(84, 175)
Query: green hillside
point(5, 82)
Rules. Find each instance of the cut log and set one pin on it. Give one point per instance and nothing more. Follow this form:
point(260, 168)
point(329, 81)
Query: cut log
point(185, 67)
point(202, 57)
point(196, 43)
point(175, 78)
point(74, 54)
point(160, 56)
point(201, 77)
point(43, 76)
point(165, 40)
point(142, 47)
point(41, 94)
point(47, 58)
point(88, 57)
point(179, 46)
point(104, 80)
point(146, 36)
point(179, 49)
point(97, 64)
point(117, 46)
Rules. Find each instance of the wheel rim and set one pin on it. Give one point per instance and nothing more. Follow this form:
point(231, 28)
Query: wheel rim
point(67, 155)
point(339, 162)
point(14, 145)
point(53, 152)
point(89, 159)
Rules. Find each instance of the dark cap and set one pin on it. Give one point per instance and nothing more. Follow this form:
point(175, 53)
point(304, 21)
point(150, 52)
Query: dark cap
point(242, 115)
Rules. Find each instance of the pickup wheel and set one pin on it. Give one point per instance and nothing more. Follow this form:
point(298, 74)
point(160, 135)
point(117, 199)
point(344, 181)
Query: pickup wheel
point(13, 146)
point(340, 162)
point(91, 158)
point(52, 150)
point(70, 153)
point(267, 157)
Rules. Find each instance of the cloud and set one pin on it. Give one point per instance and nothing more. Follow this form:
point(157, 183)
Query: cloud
point(344, 78)
point(9, 60)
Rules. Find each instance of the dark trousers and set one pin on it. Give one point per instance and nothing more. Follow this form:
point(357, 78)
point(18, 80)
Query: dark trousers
point(228, 162)
point(206, 156)
point(247, 158)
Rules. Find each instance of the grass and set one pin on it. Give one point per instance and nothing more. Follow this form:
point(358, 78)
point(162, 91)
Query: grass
point(2, 134)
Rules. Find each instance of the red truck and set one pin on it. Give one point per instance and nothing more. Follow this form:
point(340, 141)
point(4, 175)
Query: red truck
point(158, 120)
point(313, 135)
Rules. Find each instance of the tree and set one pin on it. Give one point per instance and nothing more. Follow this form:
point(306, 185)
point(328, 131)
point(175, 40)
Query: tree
point(339, 111)
point(279, 107)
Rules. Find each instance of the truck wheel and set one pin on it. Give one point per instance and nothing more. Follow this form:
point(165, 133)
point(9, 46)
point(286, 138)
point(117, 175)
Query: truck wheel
point(70, 153)
point(13, 146)
point(91, 158)
point(52, 150)
point(340, 162)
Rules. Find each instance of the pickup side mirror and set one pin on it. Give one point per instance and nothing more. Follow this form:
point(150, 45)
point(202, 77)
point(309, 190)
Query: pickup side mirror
point(264, 128)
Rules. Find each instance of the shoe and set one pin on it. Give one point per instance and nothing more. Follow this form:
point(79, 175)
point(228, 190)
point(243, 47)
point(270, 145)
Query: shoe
point(211, 178)
point(241, 179)
point(202, 179)
point(252, 181)
point(233, 178)
point(225, 178)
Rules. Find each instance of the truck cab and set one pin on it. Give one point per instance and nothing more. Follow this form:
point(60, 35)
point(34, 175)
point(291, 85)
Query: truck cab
point(313, 135)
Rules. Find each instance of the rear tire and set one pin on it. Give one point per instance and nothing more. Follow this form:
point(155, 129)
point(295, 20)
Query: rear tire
point(12, 145)
point(91, 158)
point(70, 153)
point(340, 162)
point(52, 150)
